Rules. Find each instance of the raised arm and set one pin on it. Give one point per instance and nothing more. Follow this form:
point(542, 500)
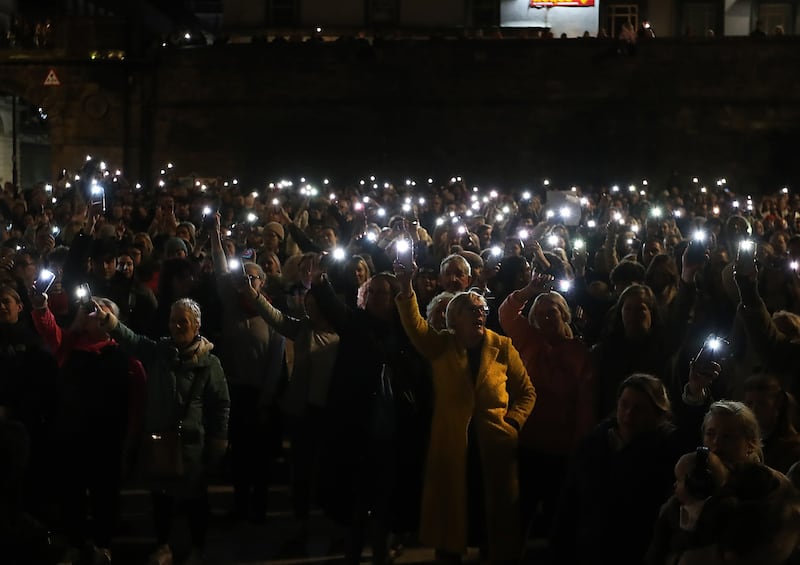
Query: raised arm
point(45, 324)
point(514, 324)
point(285, 325)
point(773, 347)
point(425, 339)
point(141, 347)
point(217, 253)
point(333, 308)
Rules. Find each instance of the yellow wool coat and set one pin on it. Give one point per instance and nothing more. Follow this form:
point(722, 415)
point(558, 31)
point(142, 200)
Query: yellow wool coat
point(444, 521)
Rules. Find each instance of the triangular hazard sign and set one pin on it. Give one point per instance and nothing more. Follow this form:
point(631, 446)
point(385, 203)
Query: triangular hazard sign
point(52, 79)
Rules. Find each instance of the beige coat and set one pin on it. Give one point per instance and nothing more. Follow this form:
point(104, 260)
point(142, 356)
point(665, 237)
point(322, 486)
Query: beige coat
point(444, 521)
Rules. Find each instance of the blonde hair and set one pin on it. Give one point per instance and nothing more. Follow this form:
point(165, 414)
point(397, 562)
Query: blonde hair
point(746, 420)
point(554, 298)
point(434, 303)
point(792, 320)
point(458, 303)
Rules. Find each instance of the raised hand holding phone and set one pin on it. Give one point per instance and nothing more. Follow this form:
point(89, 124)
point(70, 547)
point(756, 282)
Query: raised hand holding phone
point(705, 368)
point(43, 282)
point(745, 265)
point(404, 247)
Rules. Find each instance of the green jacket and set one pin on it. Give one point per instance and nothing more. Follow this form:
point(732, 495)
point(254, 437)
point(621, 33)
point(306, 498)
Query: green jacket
point(169, 382)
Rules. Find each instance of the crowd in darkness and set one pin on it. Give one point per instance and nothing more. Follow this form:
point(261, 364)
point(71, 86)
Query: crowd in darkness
point(611, 368)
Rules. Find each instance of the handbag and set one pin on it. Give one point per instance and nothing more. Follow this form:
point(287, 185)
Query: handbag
point(163, 456)
point(163, 451)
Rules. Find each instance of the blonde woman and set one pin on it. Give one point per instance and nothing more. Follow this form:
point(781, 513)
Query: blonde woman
point(481, 387)
point(560, 367)
point(731, 431)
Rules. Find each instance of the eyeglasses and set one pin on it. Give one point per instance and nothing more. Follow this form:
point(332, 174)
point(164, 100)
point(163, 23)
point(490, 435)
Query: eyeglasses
point(254, 277)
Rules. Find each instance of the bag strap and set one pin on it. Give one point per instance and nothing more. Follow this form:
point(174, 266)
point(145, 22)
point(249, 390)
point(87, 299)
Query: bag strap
point(183, 409)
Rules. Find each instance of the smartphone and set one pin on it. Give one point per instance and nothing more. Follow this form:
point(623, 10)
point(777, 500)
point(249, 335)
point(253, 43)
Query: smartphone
point(84, 296)
point(44, 281)
point(98, 198)
point(714, 349)
point(746, 257)
point(698, 246)
point(236, 267)
point(404, 249)
point(209, 218)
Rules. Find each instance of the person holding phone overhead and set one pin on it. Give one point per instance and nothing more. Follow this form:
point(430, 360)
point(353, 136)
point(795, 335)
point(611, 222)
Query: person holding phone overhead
point(97, 420)
point(186, 393)
point(776, 350)
point(481, 387)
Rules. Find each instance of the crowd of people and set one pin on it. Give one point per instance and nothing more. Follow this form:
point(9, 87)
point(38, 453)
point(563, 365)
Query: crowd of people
point(613, 369)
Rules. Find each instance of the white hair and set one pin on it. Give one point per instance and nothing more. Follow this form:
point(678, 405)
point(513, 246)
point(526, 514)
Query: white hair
point(455, 257)
point(435, 301)
point(458, 303)
point(108, 303)
point(190, 306)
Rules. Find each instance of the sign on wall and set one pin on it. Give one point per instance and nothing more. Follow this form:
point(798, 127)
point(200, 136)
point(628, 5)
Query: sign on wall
point(565, 3)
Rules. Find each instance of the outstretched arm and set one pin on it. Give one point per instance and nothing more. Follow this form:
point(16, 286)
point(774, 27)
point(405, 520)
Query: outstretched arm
point(425, 339)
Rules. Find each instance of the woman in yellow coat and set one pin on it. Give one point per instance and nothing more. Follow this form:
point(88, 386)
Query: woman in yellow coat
point(483, 396)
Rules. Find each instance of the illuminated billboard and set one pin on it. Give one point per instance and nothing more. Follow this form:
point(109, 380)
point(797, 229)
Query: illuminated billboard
point(561, 3)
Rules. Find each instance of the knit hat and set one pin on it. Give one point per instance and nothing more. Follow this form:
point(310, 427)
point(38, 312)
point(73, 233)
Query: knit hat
point(275, 228)
point(174, 245)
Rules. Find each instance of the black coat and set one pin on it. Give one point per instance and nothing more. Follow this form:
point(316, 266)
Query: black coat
point(373, 447)
point(611, 498)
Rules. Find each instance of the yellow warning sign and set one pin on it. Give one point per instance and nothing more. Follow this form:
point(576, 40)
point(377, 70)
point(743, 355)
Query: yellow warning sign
point(52, 79)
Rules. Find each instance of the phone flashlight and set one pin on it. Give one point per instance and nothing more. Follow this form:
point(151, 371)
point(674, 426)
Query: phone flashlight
point(793, 266)
point(207, 211)
point(699, 235)
point(82, 292)
point(564, 285)
point(579, 245)
point(46, 278)
point(84, 295)
point(655, 212)
point(523, 234)
point(55, 230)
point(747, 246)
point(234, 265)
point(714, 349)
point(338, 254)
point(552, 240)
point(252, 218)
point(497, 251)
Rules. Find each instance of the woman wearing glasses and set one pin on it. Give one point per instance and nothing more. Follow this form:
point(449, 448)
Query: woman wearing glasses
point(483, 396)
